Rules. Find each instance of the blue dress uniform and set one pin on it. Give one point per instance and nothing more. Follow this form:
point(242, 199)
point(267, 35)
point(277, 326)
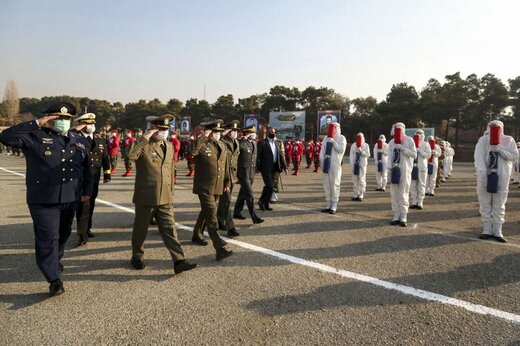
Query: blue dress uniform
point(58, 174)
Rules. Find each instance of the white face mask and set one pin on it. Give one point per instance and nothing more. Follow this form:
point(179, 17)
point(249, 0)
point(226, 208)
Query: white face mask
point(61, 125)
point(233, 134)
point(162, 135)
point(216, 136)
point(114, 134)
point(252, 136)
point(90, 128)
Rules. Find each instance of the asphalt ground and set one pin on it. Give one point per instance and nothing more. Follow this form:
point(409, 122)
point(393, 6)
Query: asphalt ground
point(301, 277)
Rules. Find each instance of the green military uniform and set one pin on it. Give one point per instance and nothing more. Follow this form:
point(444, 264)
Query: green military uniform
point(153, 194)
point(224, 214)
point(212, 176)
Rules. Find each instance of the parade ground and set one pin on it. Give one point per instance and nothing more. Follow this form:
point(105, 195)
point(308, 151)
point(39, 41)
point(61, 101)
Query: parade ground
point(301, 277)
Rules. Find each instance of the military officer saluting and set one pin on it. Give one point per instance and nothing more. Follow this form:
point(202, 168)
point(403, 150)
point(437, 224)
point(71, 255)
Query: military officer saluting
point(153, 194)
point(224, 216)
point(246, 169)
point(212, 179)
point(59, 173)
point(100, 163)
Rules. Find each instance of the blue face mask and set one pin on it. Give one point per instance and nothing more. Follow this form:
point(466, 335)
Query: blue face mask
point(61, 125)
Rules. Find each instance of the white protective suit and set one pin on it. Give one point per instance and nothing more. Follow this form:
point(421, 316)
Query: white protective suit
point(493, 205)
point(359, 181)
point(400, 192)
point(418, 187)
point(381, 177)
point(332, 179)
point(431, 179)
point(451, 153)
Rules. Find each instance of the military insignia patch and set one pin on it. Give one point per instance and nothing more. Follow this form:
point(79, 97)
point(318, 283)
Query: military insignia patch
point(64, 110)
point(47, 153)
point(154, 155)
point(80, 145)
point(46, 140)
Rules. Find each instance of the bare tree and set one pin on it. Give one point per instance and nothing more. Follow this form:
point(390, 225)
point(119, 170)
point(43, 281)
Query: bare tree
point(11, 102)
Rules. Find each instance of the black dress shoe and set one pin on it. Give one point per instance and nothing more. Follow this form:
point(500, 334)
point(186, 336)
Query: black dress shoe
point(202, 242)
point(258, 220)
point(182, 266)
point(267, 207)
point(56, 288)
point(501, 239)
point(394, 222)
point(419, 207)
point(485, 236)
point(354, 199)
point(240, 217)
point(232, 233)
point(137, 263)
point(83, 240)
point(402, 224)
point(90, 234)
point(261, 206)
point(223, 253)
point(413, 206)
point(325, 210)
point(332, 211)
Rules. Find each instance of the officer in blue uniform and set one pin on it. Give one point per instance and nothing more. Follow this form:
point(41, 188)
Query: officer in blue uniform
point(100, 164)
point(59, 174)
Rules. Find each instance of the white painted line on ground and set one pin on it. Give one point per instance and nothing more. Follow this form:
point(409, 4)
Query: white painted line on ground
point(408, 290)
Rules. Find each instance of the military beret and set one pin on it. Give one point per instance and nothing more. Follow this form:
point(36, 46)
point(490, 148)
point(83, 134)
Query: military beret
point(162, 122)
point(89, 118)
point(63, 109)
point(249, 129)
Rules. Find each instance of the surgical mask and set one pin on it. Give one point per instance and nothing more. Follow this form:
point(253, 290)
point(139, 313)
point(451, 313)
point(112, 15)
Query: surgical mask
point(252, 136)
point(90, 128)
point(61, 125)
point(162, 135)
point(271, 135)
point(114, 134)
point(216, 136)
point(233, 135)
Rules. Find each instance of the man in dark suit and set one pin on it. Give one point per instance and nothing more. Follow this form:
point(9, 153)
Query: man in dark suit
point(246, 170)
point(59, 174)
point(100, 163)
point(212, 179)
point(270, 162)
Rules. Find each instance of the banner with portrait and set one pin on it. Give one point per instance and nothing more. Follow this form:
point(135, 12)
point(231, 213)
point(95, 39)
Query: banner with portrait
point(252, 119)
point(288, 124)
point(324, 119)
point(185, 126)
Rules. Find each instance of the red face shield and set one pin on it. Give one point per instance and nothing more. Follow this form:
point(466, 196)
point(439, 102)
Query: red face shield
point(380, 144)
point(332, 131)
point(359, 141)
point(398, 135)
point(494, 135)
point(417, 140)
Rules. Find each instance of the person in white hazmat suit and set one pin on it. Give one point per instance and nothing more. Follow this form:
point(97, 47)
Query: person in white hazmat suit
point(450, 153)
point(494, 158)
point(380, 159)
point(332, 179)
point(418, 186)
point(433, 161)
point(359, 157)
point(402, 156)
point(516, 175)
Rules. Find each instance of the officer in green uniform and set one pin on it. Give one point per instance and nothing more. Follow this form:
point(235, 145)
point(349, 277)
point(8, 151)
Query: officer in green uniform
point(153, 194)
point(212, 179)
point(224, 214)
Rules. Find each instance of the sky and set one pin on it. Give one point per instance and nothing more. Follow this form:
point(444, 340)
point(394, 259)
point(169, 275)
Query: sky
point(127, 50)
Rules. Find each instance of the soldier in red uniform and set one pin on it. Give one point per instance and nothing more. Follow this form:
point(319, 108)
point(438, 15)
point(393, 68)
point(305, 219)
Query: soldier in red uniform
point(176, 149)
point(125, 150)
point(288, 152)
point(317, 149)
point(297, 151)
point(113, 149)
point(309, 153)
point(189, 157)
